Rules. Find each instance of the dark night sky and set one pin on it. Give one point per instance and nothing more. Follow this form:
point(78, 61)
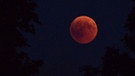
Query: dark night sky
point(53, 43)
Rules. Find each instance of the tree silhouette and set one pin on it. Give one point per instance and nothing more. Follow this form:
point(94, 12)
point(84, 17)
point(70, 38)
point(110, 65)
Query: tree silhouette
point(16, 15)
point(90, 71)
point(129, 38)
point(110, 62)
point(114, 63)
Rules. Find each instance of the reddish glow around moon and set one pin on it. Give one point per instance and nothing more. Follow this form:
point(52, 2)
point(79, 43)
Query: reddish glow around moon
point(83, 29)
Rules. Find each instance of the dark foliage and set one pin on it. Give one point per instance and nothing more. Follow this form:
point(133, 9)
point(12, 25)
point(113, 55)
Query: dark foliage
point(110, 62)
point(129, 38)
point(16, 15)
point(114, 63)
point(89, 71)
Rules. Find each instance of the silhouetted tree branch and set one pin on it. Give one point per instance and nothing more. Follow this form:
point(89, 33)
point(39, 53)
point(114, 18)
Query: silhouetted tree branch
point(129, 38)
point(110, 62)
point(16, 15)
point(90, 71)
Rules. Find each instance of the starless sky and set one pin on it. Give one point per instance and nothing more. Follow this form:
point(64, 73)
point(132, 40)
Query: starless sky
point(53, 43)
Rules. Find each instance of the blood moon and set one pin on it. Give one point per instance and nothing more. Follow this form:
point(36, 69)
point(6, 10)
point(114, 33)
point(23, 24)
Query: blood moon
point(83, 29)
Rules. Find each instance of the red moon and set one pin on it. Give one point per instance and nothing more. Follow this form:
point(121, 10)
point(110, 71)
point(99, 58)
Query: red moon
point(83, 29)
